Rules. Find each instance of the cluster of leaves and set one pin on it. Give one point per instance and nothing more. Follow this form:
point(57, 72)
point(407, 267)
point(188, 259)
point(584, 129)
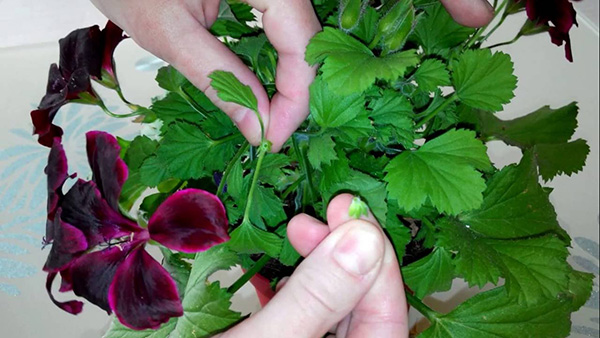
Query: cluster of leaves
point(405, 130)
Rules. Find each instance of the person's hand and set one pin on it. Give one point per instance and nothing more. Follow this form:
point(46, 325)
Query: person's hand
point(177, 32)
point(350, 281)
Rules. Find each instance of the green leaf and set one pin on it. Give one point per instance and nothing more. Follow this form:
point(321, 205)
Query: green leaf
point(367, 27)
point(267, 208)
point(330, 110)
point(484, 80)
point(288, 255)
point(394, 113)
point(140, 149)
point(118, 330)
point(514, 204)
point(170, 79)
point(493, 314)
point(398, 234)
point(349, 66)
point(438, 31)
point(250, 48)
point(543, 126)
point(431, 74)
point(249, 239)
point(561, 158)
point(230, 89)
point(217, 125)
point(273, 169)
point(235, 181)
point(189, 153)
point(443, 170)
point(580, 288)
point(205, 305)
point(153, 171)
point(321, 151)
point(174, 107)
point(474, 260)
point(528, 278)
point(231, 20)
point(432, 273)
point(178, 268)
point(132, 190)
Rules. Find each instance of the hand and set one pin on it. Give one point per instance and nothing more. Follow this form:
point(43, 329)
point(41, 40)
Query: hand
point(177, 32)
point(350, 281)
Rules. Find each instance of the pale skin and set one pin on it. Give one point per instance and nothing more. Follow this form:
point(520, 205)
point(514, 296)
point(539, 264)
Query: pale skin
point(367, 298)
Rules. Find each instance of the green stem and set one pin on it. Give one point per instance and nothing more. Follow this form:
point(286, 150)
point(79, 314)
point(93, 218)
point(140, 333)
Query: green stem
point(249, 274)
point(230, 165)
point(449, 99)
point(375, 41)
point(292, 187)
point(425, 310)
point(120, 116)
point(504, 16)
point(480, 31)
point(428, 224)
point(515, 39)
point(199, 109)
point(304, 164)
point(264, 148)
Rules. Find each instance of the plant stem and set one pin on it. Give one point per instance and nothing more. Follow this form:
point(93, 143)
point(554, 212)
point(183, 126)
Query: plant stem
point(480, 31)
point(249, 274)
point(199, 109)
point(515, 39)
point(448, 99)
point(504, 16)
point(264, 148)
point(111, 114)
point(230, 165)
point(425, 310)
point(304, 164)
point(292, 187)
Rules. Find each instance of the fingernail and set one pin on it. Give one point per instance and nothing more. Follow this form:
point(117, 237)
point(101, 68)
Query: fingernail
point(358, 251)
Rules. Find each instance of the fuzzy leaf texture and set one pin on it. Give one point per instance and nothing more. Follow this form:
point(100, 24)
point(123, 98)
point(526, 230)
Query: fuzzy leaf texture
point(484, 80)
point(431, 273)
point(443, 171)
point(349, 66)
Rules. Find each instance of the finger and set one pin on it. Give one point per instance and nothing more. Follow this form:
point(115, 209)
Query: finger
point(325, 287)
point(337, 211)
point(183, 41)
point(281, 283)
point(382, 311)
point(472, 13)
point(289, 25)
point(305, 233)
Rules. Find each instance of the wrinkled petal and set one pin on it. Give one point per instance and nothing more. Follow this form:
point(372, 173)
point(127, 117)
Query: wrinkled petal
point(43, 127)
point(113, 35)
point(109, 170)
point(559, 16)
point(56, 172)
point(190, 220)
point(65, 284)
point(84, 208)
point(81, 49)
point(92, 274)
point(56, 89)
point(73, 306)
point(143, 295)
point(69, 242)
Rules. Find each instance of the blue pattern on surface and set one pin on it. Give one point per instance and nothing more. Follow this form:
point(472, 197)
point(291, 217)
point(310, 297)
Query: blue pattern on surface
point(23, 187)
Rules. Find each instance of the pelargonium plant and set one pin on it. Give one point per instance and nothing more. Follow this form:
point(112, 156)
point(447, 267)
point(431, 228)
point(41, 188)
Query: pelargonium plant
point(400, 113)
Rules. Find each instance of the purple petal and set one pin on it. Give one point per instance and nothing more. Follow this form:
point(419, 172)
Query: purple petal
point(56, 89)
point(190, 220)
point(69, 242)
point(92, 274)
point(73, 306)
point(143, 295)
point(84, 208)
point(113, 35)
point(43, 127)
point(81, 49)
point(109, 170)
point(57, 174)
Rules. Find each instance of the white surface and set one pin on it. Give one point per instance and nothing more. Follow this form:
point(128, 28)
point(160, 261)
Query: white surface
point(544, 78)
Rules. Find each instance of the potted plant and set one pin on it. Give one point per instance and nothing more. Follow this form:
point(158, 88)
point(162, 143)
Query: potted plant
point(400, 114)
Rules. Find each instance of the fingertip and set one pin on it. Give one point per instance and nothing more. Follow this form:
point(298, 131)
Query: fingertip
point(306, 233)
point(337, 211)
point(470, 13)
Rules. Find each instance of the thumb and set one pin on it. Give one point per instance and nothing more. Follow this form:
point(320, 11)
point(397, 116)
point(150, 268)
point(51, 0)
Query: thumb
point(325, 288)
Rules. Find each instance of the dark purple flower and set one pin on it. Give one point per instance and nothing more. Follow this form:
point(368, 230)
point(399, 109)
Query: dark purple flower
point(85, 54)
point(100, 254)
point(558, 15)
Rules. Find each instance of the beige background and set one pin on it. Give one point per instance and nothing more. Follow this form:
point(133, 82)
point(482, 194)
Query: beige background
point(28, 33)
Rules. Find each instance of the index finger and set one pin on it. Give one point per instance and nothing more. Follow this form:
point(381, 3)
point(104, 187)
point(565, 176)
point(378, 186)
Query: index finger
point(289, 25)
